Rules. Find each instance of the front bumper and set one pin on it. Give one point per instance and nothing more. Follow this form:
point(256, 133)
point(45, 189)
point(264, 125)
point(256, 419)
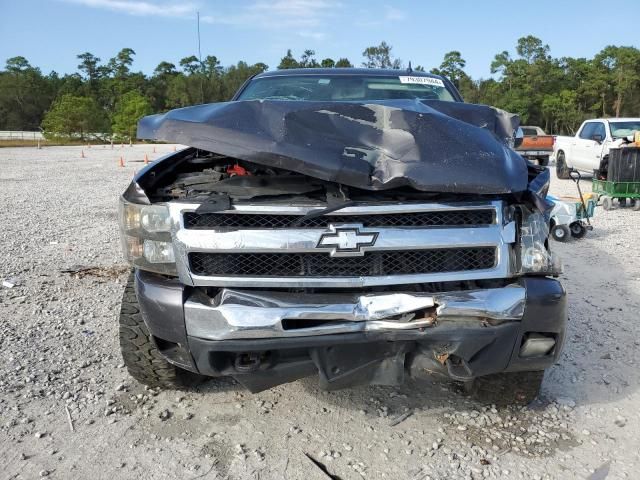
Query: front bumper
point(266, 338)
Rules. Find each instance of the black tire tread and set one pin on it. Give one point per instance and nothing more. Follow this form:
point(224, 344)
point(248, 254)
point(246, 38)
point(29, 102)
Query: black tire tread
point(562, 171)
point(580, 230)
point(141, 357)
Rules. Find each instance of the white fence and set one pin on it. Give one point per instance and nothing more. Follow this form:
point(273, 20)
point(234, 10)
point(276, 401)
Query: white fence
point(15, 135)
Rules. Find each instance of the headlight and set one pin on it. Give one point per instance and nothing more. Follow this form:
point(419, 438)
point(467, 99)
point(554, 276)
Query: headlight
point(146, 237)
point(535, 256)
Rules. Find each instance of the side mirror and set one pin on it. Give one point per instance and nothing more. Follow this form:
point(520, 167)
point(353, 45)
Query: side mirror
point(597, 138)
point(517, 139)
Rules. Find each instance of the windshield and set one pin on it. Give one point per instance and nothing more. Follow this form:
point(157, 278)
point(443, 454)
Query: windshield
point(529, 131)
point(345, 88)
point(624, 129)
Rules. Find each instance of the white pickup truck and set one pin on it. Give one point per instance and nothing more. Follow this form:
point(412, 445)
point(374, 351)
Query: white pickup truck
point(586, 149)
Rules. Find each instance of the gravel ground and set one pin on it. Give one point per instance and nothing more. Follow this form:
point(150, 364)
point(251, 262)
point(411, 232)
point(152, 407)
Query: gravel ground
point(60, 366)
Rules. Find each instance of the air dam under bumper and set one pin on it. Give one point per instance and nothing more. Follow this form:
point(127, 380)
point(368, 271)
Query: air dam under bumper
point(267, 338)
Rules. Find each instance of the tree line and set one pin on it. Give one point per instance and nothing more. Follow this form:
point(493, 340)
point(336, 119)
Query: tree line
point(109, 97)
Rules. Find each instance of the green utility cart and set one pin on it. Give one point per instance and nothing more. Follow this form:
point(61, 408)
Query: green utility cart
point(622, 180)
point(608, 191)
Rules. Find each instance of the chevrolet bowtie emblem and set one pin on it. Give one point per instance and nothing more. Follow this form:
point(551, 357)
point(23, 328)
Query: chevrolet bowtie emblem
point(347, 241)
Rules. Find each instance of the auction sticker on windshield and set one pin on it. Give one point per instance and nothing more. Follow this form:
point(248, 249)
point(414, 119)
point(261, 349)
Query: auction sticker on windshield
point(423, 81)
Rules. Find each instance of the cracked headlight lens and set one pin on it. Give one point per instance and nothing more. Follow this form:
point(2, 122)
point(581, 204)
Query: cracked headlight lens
point(146, 238)
point(535, 256)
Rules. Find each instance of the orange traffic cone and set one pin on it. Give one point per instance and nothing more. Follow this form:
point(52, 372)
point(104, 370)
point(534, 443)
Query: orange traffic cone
point(146, 158)
point(121, 163)
point(174, 148)
point(82, 154)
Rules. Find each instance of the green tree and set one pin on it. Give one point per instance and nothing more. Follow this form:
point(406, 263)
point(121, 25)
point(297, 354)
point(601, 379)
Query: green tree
point(501, 62)
point(89, 65)
point(328, 63)
point(190, 65)
point(211, 66)
point(25, 94)
point(561, 111)
point(452, 67)
point(623, 66)
point(288, 62)
point(165, 68)
point(131, 107)
point(119, 66)
point(525, 81)
point(17, 64)
point(74, 117)
point(343, 63)
point(531, 49)
point(307, 60)
point(380, 57)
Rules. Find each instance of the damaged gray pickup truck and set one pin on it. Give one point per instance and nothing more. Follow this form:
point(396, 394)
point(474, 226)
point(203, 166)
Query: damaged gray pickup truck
point(358, 225)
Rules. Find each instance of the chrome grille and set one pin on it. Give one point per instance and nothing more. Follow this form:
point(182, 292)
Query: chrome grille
point(321, 265)
point(268, 245)
point(205, 221)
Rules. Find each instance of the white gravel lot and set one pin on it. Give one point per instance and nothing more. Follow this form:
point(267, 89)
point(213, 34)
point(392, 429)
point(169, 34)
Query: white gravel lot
point(59, 353)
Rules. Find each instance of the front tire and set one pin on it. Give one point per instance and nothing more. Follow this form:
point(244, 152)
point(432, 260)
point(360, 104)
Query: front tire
point(562, 171)
point(512, 388)
point(140, 354)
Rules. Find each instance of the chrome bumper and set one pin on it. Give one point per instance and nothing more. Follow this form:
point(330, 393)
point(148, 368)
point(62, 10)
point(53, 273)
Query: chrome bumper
point(241, 314)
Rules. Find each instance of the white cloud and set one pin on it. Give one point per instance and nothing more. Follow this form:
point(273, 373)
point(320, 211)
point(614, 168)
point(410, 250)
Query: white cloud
point(390, 14)
point(139, 7)
point(278, 14)
point(306, 17)
point(312, 35)
point(394, 14)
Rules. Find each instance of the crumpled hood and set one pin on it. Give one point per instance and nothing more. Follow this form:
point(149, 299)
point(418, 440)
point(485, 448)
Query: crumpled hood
point(432, 146)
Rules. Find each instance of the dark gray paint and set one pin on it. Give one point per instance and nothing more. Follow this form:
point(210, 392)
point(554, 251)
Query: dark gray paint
point(432, 146)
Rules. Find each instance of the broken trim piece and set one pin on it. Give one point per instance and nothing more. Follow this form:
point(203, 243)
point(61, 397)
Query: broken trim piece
point(245, 314)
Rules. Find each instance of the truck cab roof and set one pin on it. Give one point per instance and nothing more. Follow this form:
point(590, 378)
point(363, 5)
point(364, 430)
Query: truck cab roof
point(614, 119)
point(348, 78)
point(379, 72)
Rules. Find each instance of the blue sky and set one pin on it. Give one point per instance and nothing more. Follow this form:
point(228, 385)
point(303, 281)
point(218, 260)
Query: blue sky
point(50, 33)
